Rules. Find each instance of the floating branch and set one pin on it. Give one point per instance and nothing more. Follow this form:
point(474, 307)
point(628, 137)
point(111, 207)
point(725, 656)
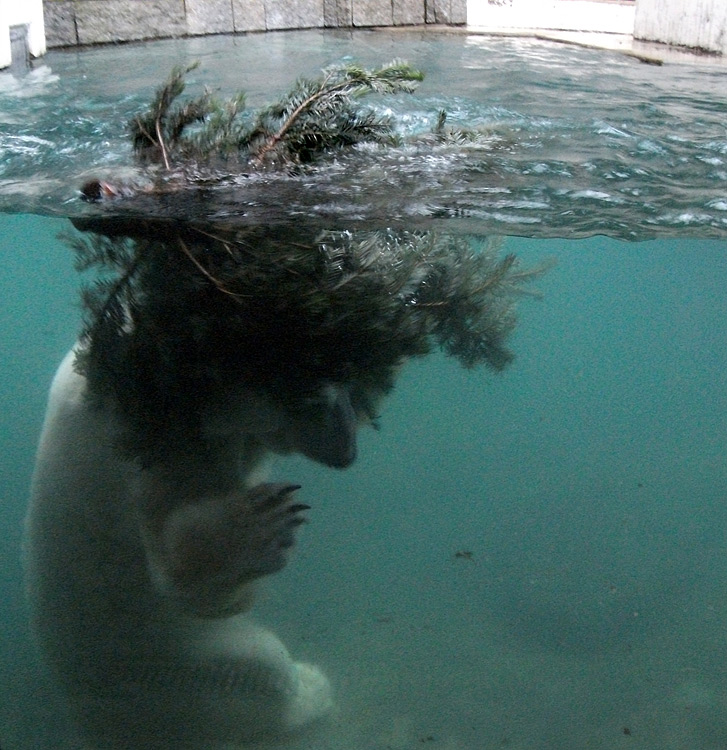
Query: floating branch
point(321, 115)
point(315, 117)
point(157, 133)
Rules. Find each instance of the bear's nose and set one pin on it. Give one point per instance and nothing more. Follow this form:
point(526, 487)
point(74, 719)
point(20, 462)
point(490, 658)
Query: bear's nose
point(325, 430)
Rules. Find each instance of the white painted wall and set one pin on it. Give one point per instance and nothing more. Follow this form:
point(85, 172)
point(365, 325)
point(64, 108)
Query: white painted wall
point(14, 12)
point(689, 23)
point(564, 15)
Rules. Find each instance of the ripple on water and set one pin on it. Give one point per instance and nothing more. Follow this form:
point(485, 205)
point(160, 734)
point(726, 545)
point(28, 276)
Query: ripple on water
point(562, 139)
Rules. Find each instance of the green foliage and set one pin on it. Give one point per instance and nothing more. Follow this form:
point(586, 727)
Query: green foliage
point(190, 315)
point(314, 118)
point(320, 115)
point(450, 135)
point(157, 133)
point(223, 133)
point(183, 312)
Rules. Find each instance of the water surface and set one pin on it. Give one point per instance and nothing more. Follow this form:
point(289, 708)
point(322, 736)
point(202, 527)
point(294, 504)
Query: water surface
point(587, 141)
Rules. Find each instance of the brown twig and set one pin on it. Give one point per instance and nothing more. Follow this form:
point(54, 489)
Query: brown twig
point(160, 140)
point(206, 273)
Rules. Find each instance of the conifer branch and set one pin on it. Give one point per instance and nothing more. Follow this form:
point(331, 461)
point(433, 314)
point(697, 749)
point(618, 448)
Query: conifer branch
point(161, 126)
point(327, 113)
point(160, 142)
point(275, 138)
point(280, 309)
point(314, 117)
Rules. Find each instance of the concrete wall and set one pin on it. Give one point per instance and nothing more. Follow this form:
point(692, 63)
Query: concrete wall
point(564, 15)
point(701, 24)
point(72, 22)
point(15, 13)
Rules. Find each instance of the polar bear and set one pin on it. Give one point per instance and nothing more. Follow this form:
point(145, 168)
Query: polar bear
point(140, 577)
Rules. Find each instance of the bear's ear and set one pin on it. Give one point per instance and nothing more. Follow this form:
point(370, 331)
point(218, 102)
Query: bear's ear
point(325, 430)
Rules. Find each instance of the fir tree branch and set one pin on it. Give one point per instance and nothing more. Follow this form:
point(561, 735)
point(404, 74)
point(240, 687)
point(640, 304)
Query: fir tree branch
point(120, 285)
point(314, 117)
point(160, 142)
point(161, 126)
point(338, 87)
point(275, 138)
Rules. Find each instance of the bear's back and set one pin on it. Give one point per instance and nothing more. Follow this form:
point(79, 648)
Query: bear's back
point(85, 563)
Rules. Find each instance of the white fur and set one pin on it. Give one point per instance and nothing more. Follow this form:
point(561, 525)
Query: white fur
point(155, 652)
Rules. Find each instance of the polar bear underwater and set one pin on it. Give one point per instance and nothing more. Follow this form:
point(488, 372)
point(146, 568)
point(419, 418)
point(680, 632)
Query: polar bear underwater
point(151, 521)
point(138, 578)
point(213, 341)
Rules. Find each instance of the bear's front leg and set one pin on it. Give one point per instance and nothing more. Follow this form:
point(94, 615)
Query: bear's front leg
point(206, 552)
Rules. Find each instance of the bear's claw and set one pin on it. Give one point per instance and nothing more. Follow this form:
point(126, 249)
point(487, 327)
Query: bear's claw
point(276, 517)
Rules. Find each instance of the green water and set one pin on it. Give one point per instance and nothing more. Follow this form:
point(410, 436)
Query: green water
point(587, 482)
point(535, 560)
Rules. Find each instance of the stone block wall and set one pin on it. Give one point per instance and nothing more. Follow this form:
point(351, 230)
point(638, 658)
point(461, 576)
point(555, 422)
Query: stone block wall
point(75, 22)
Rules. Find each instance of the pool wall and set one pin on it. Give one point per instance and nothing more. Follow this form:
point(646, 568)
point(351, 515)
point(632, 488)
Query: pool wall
point(699, 24)
point(21, 20)
point(74, 22)
point(612, 17)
